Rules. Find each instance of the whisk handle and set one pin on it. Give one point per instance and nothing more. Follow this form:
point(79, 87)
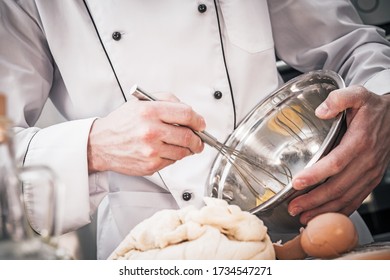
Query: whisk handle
point(143, 95)
point(208, 139)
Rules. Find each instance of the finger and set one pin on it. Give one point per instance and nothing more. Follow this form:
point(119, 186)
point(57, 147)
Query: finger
point(173, 152)
point(342, 99)
point(181, 114)
point(344, 185)
point(182, 137)
point(334, 206)
point(346, 204)
point(334, 188)
point(322, 194)
point(342, 195)
point(164, 96)
point(331, 164)
point(306, 216)
point(335, 203)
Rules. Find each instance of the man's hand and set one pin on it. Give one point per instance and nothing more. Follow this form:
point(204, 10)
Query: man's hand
point(141, 137)
point(356, 166)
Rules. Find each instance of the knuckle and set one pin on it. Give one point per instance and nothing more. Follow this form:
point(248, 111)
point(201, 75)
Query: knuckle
point(149, 135)
point(150, 152)
point(147, 111)
point(187, 137)
point(187, 113)
point(346, 200)
point(309, 204)
point(334, 99)
point(372, 165)
point(182, 153)
point(362, 93)
point(337, 164)
point(332, 95)
point(153, 153)
point(199, 146)
point(337, 191)
point(359, 89)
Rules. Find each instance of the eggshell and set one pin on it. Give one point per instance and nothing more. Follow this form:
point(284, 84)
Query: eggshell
point(329, 235)
point(290, 250)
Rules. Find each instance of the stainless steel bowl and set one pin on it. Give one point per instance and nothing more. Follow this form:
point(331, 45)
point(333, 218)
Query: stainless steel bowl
point(283, 134)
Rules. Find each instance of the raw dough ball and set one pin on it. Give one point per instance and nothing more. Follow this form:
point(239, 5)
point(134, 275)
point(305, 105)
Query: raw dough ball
point(216, 231)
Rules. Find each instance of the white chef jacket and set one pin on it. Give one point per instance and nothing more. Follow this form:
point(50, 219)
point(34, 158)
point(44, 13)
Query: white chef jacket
point(86, 55)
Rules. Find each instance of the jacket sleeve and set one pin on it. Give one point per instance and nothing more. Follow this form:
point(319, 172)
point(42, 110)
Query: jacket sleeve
point(329, 34)
point(27, 76)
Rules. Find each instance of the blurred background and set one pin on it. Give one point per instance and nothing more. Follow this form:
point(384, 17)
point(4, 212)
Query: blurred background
point(375, 210)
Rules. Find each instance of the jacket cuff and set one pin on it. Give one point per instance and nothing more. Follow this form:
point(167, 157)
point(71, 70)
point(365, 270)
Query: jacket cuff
point(379, 83)
point(63, 148)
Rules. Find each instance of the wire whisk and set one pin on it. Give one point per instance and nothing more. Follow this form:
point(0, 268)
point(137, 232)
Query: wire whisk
point(246, 166)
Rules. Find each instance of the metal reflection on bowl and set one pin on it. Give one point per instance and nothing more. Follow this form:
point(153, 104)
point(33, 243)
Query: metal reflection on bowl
point(284, 136)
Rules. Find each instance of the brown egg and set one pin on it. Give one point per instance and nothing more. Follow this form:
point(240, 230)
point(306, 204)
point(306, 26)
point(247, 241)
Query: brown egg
point(329, 235)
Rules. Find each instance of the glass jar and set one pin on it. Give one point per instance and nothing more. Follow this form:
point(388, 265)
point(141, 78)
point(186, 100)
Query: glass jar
point(17, 238)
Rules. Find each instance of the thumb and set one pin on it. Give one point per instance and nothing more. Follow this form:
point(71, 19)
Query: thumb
point(342, 99)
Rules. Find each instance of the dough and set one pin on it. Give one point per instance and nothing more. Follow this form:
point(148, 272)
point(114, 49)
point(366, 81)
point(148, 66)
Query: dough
point(216, 231)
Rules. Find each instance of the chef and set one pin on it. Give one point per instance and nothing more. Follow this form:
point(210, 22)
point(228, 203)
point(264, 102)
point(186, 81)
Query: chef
point(211, 61)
